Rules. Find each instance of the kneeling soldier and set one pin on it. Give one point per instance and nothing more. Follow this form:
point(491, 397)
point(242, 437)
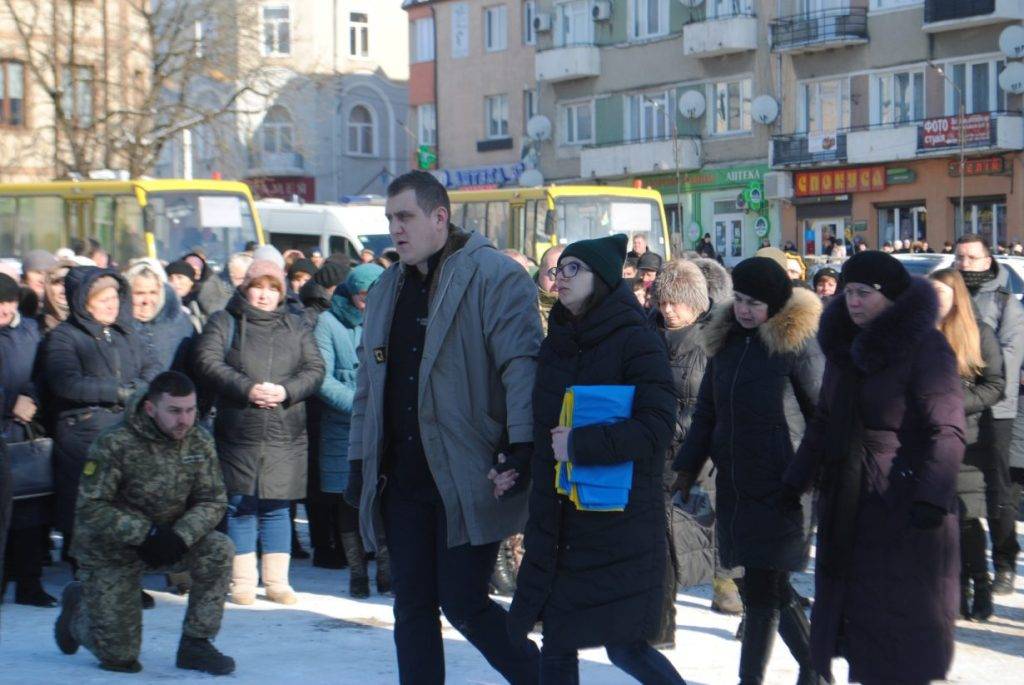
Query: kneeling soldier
point(150, 496)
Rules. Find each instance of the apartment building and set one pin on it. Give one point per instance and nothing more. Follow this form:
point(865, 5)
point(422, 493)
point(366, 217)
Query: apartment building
point(328, 116)
point(871, 143)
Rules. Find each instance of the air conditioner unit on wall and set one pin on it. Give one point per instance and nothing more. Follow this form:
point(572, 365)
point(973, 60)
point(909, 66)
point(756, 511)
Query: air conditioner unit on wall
point(542, 22)
point(778, 185)
point(602, 10)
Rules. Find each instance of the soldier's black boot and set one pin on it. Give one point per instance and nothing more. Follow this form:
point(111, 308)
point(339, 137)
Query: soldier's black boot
point(358, 579)
point(199, 654)
point(795, 630)
point(70, 599)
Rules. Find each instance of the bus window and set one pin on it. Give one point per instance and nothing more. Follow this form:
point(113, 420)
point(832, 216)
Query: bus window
point(219, 224)
point(304, 243)
point(579, 218)
point(28, 223)
point(129, 236)
point(338, 244)
point(499, 224)
point(475, 217)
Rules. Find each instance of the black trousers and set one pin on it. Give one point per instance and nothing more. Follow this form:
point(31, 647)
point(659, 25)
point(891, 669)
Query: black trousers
point(23, 562)
point(427, 575)
point(1001, 498)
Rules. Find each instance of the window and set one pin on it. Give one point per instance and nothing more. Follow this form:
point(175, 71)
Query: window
point(358, 34)
point(578, 122)
point(277, 29)
point(897, 98)
point(12, 93)
point(76, 94)
point(496, 116)
point(423, 32)
point(529, 12)
point(574, 25)
point(360, 132)
point(732, 106)
point(720, 9)
point(905, 222)
point(647, 116)
point(278, 130)
point(649, 19)
point(825, 106)
point(985, 217)
point(979, 83)
point(426, 116)
point(495, 28)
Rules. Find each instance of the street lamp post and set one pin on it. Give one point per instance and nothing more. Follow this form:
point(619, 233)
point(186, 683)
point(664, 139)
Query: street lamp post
point(960, 135)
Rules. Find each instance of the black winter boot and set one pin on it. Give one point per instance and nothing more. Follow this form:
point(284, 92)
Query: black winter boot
point(1004, 582)
point(981, 607)
point(147, 600)
point(966, 595)
point(760, 624)
point(795, 630)
point(70, 599)
point(31, 593)
point(328, 557)
point(383, 578)
point(199, 654)
point(503, 579)
point(358, 579)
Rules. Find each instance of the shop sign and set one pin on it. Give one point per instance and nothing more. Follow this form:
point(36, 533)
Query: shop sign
point(762, 226)
point(944, 132)
point(283, 187)
point(900, 176)
point(860, 226)
point(984, 166)
point(839, 181)
point(488, 176)
point(710, 179)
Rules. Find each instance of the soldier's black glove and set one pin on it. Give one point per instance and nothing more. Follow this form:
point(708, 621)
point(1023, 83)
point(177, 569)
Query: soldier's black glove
point(926, 516)
point(684, 483)
point(787, 499)
point(162, 547)
point(354, 490)
point(518, 457)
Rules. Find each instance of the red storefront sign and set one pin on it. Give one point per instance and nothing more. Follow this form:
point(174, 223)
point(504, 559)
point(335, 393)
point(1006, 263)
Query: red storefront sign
point(283, 187)
point(839, 181)
point(944, 132)
point(985, 166)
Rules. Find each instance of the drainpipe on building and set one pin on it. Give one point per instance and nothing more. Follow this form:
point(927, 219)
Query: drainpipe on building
point(437, 104)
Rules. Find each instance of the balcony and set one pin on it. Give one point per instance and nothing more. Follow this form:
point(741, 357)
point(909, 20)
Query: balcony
point(567, 63)
point(953, 15)
point(824, 30)
point(720, 35)
point(804, 150)
point(640, 157)
point(276, 163)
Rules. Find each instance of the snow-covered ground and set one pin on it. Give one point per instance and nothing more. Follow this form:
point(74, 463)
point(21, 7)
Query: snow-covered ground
point(328, 638)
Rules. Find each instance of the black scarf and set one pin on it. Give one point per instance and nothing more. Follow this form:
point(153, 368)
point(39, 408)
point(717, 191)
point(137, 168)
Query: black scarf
point(975, 279)
point(842, 478)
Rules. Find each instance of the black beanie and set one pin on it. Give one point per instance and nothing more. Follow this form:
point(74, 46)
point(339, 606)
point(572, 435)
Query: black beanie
point(181, 268)
point(827, 272)
point(880, 270)
point(763, 279)
point(10, 291)
point(331, 274)
point(303, 266)
point(605, 256)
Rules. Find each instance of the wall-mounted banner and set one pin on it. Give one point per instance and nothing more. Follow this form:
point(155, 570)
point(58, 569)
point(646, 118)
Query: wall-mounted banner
point(944, 132)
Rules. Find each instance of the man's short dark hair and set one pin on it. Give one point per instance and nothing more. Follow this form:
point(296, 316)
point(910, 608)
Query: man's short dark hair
point(430, 194)
point(170, 383)
point(974, 238)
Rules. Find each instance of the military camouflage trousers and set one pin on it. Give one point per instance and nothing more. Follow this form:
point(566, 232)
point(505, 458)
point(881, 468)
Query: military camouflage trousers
point(109, 620)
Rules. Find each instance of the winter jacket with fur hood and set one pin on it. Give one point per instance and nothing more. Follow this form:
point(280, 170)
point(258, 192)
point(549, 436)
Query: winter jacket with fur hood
point(758, 391)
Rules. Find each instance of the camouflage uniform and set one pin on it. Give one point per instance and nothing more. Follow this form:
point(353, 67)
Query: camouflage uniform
point(136, 477)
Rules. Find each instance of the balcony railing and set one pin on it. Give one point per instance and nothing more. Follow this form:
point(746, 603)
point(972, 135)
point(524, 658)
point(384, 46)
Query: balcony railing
point(945, 10)
point(844, 25)
point(700, 14)
point(794, 150)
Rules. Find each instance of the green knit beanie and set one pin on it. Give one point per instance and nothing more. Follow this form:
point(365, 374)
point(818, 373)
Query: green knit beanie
point(604, 256)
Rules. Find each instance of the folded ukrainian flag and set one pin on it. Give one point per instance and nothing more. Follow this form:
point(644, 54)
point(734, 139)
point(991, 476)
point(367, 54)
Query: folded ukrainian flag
point(596, 488)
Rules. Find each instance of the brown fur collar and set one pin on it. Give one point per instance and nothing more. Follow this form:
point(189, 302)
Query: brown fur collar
point(788, 331)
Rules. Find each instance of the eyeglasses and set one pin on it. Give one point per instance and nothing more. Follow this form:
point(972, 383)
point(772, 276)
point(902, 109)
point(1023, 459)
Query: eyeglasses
point(566, 271)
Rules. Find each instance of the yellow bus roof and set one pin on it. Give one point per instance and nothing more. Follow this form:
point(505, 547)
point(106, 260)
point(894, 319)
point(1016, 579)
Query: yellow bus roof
point(555, 191)
point(73, 188)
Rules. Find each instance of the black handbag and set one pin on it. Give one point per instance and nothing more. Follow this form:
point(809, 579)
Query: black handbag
point(31, 466)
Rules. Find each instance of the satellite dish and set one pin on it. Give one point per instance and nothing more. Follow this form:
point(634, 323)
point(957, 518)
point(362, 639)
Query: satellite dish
point(1011, 41)
point(539, 127)
point(531, 178)
point(1012, 78)
point(691, 104)
point(765, 109)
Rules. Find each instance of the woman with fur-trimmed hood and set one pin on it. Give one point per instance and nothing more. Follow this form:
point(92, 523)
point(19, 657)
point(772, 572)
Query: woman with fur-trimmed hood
point(756, 397)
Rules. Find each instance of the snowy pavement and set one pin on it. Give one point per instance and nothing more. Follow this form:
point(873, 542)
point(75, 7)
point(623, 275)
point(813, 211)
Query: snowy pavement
point(328, 638)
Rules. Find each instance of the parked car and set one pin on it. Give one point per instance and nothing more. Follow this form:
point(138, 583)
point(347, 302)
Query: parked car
point(924, 264)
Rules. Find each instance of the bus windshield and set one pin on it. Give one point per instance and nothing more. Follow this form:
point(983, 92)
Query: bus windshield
point(378, 242)
point(216, 223)
point(580, 218)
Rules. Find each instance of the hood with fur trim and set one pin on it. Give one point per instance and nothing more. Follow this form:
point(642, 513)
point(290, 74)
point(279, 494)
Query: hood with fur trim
point(719, 280)
point(788, 331)
point(886, 341)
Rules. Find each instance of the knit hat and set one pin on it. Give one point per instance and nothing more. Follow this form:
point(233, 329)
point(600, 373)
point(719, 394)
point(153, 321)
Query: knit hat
point(260, 268)
point(331, 274)
point(763, 279)
point(649, 262)
point(827, 272)
point(302, 266)
point(10, 291)
point(361, 278)
point(181, 268)
point(605, 256)
point(682, 282)
point(269, 253)
point(38, 260)
point(101, 284)
point(880, 270)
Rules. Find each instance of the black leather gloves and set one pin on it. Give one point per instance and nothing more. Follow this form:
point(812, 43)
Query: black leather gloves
point(162, 547)
point(925, 516)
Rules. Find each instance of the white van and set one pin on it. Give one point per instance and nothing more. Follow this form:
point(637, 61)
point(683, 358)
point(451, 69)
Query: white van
point(331, 228)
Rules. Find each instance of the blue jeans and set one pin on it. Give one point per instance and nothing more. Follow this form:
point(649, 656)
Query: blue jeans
point(249, 516)
point(638, 659)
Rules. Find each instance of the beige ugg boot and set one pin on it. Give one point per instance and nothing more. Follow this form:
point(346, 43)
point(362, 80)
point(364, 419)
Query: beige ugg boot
point(275, 578)
point(244, 577)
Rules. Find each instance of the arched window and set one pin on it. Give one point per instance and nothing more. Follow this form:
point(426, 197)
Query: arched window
point(278, 130)
point(360, 131)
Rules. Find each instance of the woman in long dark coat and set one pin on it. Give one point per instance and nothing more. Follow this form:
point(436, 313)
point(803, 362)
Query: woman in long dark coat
point(886, 444)
point(597, 578)
point(758, 392)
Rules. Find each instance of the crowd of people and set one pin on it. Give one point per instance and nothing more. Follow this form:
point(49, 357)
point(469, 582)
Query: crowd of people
point(415, 403)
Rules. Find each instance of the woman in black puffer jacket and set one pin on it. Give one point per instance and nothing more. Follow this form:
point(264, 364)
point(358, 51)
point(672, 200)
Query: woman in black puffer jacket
point(262, 362)
point(93, 363)
point(597, 578)
point(760, 388)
